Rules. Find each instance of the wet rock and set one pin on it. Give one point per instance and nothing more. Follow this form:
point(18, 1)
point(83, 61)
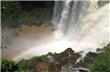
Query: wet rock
point(54, 67)
point(99, 50)
point(89, 58)
point(84, 70)
point(68, 56)
point(81, 64)
point(102, 3)
point(51, 59)
point(91, 55)
point(65, 59)
point(72, 69)
point(41, 66)
point(66, 62)
point(68, 68)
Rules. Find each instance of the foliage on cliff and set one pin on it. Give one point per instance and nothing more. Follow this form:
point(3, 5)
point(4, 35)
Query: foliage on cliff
point(102, 62)
point(23, 65)
point(17, 13)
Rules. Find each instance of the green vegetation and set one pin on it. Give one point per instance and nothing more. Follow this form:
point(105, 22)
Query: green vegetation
point(102, 62)
point(8, 66)
point(16, 13)
point(23, 65)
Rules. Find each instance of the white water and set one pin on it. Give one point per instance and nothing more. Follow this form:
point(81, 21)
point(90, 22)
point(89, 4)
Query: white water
point(79, 25)
point(83, 24)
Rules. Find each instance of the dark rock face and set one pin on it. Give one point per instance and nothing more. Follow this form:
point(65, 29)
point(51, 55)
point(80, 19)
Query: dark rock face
point(83, 70)
point(67, 62)
point(68, 56)
point(90, 57)
point(99, 50)
point(41, 66)
point(63, 59)
point(54, 67)
point(102, 3)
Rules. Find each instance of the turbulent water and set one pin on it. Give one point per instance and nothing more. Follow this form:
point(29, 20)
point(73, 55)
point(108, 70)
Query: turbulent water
point(68, 18)
point(82, 21)
point(81, 25)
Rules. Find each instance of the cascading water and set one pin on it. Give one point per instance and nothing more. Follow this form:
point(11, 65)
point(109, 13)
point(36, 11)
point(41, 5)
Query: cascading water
point(76, 19)
point(81, 25)
point(68, 17)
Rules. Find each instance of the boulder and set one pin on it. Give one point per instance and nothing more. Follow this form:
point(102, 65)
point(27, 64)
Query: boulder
point(41, 66)
point(67, 56)
point(99, 50)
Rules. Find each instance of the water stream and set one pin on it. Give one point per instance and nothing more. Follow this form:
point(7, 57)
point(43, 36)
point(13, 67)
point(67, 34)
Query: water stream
point(81, 25)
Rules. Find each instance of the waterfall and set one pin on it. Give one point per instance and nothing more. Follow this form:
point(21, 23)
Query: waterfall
point(68, 15)
point(81, 25)
point(83, 22)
